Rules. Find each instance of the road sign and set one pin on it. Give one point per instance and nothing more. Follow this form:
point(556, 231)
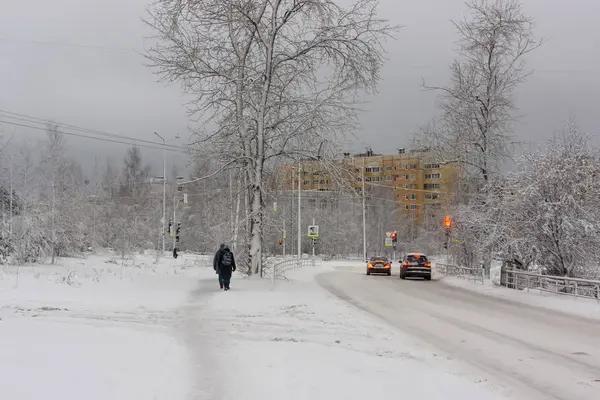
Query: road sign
point(313, 231)
point(388, 234)
point(388, 242)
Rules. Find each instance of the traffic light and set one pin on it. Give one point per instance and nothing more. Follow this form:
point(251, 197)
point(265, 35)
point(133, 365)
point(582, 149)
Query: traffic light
point(394, 237)
point(170, 228)
point(447, 222)
point(177, 232)
point(280, 242)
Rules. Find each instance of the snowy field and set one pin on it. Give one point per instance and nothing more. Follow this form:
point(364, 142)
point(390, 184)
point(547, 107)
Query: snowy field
point(94, 329)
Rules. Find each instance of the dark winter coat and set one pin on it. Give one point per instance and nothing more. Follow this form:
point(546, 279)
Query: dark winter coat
point(225, 271)
point(218, 258)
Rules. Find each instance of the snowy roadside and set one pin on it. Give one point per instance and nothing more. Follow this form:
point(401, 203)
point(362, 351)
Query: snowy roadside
point(95, 330)
point(299, 342)
point(570, 305)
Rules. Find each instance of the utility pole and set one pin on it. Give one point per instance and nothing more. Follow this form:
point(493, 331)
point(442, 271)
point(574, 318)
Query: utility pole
point(10, 227)
point(164, 213)
point(284, 236)
point(364, 211)
point(292, 198)
point(299, 215)
point(174, 221)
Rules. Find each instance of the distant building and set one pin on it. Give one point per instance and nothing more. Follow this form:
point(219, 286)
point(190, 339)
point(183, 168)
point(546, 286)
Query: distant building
point(422, 188)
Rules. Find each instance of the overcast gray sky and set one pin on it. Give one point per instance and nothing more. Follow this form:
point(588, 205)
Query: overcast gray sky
point(75, 61)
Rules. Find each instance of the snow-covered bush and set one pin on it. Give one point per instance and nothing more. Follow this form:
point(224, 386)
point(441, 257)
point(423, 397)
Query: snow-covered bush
point(546, 213)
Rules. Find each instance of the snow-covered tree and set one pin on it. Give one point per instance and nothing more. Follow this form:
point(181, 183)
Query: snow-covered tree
point(278, 78)
point(475, 130)
point(545, 214)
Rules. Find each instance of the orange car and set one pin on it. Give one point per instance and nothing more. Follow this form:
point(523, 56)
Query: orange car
point(379, 265)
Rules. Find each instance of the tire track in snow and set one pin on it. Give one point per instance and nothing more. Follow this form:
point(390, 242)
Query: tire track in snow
point(434, 314)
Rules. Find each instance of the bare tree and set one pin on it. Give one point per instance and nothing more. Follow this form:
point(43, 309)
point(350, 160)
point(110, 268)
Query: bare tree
point(475, 130)
point(275, 76)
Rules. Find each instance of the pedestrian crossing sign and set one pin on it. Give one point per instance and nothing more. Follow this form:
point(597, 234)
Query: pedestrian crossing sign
point(313, 231)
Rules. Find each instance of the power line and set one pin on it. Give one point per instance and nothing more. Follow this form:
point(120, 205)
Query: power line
point(91, 137)
point(65, 44)
point(36, 120)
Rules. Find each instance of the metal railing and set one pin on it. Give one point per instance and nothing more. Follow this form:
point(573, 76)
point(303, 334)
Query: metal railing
point(564, 286)
point(275, 270)
point(470, 273)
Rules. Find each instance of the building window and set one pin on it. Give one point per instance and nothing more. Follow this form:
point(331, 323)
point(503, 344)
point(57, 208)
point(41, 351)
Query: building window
point(406, 207)
point(389, 178)
point(372, 169)
point(432, 166)
point(431, 196)
point(411, 186)
point(388, 168)
point(306, 182)
point(433, 176)
point(430, 186)
point(315, 182)
point(413, 206)
point(413, 196)
point(405, 197)
point(413, 177)
point(406, 177)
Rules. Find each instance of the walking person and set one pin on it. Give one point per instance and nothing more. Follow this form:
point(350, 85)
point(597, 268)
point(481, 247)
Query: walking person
point(226, 266)
point(216, 263)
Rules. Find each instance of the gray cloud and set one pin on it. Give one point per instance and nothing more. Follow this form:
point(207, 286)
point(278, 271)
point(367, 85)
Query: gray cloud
point(104, 85)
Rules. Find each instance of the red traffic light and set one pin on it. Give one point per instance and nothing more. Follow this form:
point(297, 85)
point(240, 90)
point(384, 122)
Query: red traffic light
point(280, 241)
point(394, 235)
point(447, 222)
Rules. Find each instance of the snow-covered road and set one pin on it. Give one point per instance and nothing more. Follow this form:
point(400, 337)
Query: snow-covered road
point(537, 353)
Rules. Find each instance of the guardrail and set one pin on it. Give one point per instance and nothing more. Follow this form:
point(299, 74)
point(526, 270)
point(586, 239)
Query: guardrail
point(470, 273)
point(277, 269)
point(564, 286)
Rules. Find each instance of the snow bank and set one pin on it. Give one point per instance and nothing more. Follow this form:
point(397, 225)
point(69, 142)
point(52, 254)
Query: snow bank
point(299, 342)
point(63, 360)
point(576, 306)
point(101, 282)
point(96, 328)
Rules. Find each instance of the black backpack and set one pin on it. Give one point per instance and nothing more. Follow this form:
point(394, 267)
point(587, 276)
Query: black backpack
point(227, 259)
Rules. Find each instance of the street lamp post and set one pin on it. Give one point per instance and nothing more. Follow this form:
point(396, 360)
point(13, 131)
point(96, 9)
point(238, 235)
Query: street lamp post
point(164, 213)
point(364, 213)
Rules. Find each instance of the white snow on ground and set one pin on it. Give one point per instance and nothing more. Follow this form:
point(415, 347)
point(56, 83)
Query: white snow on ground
point(583, 307)
point(88, 329)
point(97, 330)
point(576, 306)
point(299, 342)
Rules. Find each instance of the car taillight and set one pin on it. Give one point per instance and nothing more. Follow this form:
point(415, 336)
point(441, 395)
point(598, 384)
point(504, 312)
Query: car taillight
point(387, 265)
point(405, 263)
point(370, 265)
point(428, 265)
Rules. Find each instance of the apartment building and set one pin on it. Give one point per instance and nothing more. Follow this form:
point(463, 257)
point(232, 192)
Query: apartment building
point(421, 187)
